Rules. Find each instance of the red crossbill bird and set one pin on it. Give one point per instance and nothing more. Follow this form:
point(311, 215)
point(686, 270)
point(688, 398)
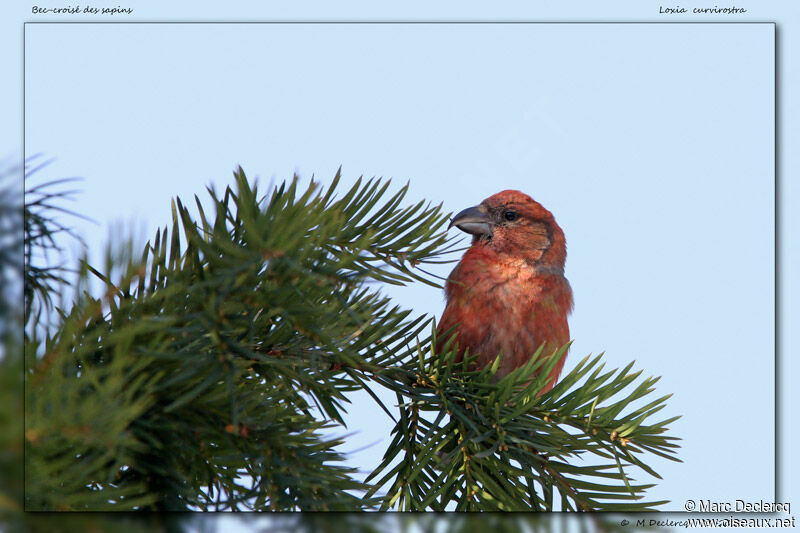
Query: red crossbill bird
point(508, 294)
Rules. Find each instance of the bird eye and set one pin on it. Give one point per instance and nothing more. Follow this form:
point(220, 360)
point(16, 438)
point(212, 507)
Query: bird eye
point(510, 215)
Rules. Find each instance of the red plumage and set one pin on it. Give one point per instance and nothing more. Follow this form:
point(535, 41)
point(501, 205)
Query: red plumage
point(508, 293)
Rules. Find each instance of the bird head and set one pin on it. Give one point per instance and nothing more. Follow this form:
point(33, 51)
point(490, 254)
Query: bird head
point(513, 223)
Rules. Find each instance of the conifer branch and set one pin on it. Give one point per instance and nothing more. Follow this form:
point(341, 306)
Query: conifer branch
point(202, 376)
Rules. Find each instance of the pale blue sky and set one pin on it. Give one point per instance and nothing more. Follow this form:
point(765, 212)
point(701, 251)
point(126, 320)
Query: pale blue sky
point(651, 144)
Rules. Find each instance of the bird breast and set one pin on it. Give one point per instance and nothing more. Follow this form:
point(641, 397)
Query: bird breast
point(517, 309)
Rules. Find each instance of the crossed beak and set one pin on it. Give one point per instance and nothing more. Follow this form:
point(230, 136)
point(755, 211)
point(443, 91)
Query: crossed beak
point(474, 220)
